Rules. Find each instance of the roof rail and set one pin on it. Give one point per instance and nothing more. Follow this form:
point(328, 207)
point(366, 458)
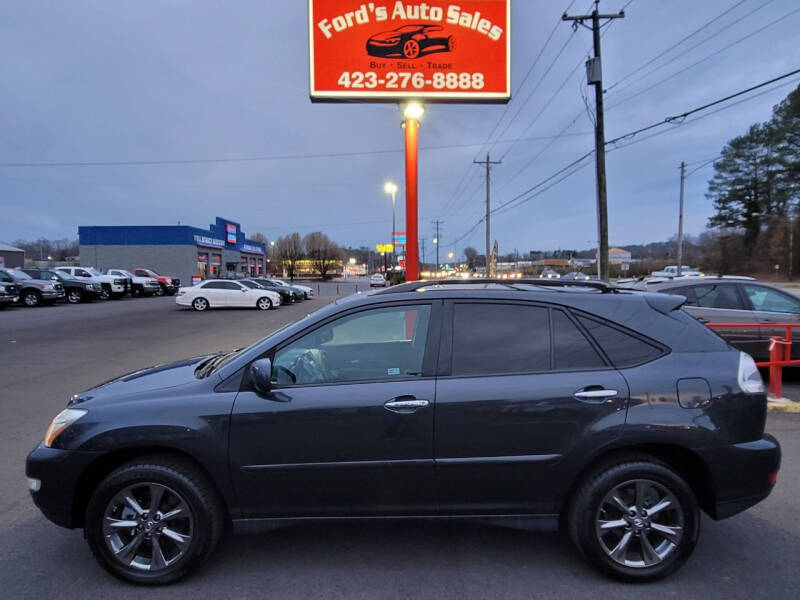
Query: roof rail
point(412, 286)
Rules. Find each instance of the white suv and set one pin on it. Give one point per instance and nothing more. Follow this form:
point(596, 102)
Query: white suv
point(110, 286)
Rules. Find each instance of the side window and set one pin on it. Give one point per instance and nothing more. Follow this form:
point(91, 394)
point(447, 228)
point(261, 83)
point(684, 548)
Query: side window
point(718, 295)
point(82, 273)
point(688, 292)
point(769, 300)
point(623, 349)
point(213, 285)
point(381, 343)
point(230, 285)
point(571, 349)
point(491, 339)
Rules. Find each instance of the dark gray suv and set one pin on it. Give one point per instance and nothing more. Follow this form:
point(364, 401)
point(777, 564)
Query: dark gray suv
point(614, 415)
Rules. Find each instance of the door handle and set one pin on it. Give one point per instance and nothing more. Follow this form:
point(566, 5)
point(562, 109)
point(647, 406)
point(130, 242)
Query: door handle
point(405, 404)
point(594, 395)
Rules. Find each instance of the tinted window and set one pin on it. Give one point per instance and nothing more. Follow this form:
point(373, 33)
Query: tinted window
point(214, 285)
point(383, 343)
point(500, 338)
point(718, 295)
point(623, 349)
point(82, 273)
point(571, 349)
point(767, 299)
point(251, 284)
point(687, 292)
point(230, 285)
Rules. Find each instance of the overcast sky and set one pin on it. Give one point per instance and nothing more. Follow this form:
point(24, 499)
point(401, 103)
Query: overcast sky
point(154, 80)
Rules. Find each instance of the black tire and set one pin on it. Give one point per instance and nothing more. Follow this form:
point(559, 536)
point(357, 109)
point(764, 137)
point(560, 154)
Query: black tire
point(264, 303)
point(161, 289)
point(74, 296)
point(589, 506)
point(200, 522)
point(31, 298)
point(200, 304)
point(137, 291)
point(105, 292)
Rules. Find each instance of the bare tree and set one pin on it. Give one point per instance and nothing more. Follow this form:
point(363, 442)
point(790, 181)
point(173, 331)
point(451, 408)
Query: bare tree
point(289, 249)
point(322, 251)
point(470, 254)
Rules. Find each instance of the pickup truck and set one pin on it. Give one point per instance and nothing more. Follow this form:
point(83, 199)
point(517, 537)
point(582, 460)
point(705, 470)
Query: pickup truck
point(76, 290)
point(140, 286)
point(9, 292)
point(33, 292)
point(110, 287)
point(672, 271)
point(169, 284)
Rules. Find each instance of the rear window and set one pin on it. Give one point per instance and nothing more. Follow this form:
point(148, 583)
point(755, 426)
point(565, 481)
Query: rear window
point(623, 349)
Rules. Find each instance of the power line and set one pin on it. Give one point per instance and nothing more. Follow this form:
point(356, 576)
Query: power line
point(705, 58)
point(244, 159)
point(676, 44)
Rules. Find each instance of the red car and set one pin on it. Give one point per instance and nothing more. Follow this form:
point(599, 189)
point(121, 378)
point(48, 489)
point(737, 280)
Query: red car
point(169, 284)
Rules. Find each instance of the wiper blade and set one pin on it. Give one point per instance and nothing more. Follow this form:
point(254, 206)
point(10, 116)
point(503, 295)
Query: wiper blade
point(204, 368)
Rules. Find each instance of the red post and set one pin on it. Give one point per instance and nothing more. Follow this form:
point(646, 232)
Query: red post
point(412, 245)
point(775, 370)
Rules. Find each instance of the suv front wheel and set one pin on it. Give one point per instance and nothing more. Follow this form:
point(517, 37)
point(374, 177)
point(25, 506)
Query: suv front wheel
point(635, 519)
point(153, 520)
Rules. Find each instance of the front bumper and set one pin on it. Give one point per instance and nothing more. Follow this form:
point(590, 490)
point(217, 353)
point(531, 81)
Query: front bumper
point(5, 300)
point(56, 473)
point(52, 294)
point(742, 475)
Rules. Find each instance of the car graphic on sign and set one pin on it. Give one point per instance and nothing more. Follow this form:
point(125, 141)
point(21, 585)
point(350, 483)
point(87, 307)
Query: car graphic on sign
point(410, 41)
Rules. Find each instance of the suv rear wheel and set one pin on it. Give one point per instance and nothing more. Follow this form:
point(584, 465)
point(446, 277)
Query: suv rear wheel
point(635, 519)
point(153, 520)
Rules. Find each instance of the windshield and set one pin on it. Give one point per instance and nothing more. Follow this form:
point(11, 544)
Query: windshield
point(6, 277)
point(57, 275)
point(94, 271)
point(20, 275)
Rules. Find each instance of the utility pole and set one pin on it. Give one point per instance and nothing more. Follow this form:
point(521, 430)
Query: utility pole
point(680, 220)
point(488, 164)
point(436, 241)
point(423, 253)
point(594, 76)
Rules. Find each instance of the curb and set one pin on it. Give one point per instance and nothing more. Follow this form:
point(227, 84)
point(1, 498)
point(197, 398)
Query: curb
point(783, 405)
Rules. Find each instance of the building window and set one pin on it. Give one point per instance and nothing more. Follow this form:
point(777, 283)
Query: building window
point(216, 262)
point(202, 264)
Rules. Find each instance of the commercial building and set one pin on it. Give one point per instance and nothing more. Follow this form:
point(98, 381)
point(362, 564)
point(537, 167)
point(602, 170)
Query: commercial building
point(181, 251)
point(619, 256)
point(11, 256)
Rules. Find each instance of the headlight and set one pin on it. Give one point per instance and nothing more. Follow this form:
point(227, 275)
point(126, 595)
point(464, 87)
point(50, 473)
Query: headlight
point(49, 286)
point(61, 421)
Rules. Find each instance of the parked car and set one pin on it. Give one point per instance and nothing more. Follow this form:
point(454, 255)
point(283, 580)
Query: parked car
point(75, 290)
point(288, 293)
point(308, 291)
point(377, 280)
point(218, 293)
point(9, 291)
point(739, 300)
point(548, 274)
point(110, 287)
point(140, 286)
point(616, 413)
point(576, 276)
point(33, 292)
point(169, 284)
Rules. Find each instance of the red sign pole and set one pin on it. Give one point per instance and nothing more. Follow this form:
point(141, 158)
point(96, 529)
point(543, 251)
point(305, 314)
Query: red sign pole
point(412, 246)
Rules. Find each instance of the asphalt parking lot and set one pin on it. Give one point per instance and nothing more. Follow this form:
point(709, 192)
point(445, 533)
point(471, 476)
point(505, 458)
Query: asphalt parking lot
point(49, 353)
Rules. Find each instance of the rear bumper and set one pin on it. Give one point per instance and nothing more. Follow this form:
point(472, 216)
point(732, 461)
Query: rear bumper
point(742, 474)
point(57, 473)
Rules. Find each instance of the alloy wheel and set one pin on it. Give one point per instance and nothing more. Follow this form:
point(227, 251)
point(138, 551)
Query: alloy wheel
point(31, 299)
point(73, 296)
point(639, 523)
point(148, 526)
point(200, 304)
point(264, 303)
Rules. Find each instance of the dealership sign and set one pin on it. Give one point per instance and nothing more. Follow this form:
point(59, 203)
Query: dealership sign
point(386, 50)
point(204, 240)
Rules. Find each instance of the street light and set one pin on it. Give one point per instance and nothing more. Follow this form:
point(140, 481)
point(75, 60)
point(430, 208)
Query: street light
point(391, 188)
point(413, 110)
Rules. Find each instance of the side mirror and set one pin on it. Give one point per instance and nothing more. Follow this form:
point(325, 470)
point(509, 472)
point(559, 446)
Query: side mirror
point(261, 375)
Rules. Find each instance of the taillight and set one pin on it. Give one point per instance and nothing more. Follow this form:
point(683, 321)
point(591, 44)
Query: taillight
point(773, 478)
point(181, 292)
point(749, 378)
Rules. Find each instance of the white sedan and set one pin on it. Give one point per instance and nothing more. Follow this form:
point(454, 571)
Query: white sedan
point(216, 293)
point(377, 280)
